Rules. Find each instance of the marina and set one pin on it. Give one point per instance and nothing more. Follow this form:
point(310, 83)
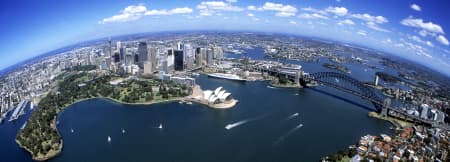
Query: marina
point(18, 111)
point(226, 76)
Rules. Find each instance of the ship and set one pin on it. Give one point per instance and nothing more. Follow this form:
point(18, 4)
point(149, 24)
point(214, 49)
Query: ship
point(226, 76)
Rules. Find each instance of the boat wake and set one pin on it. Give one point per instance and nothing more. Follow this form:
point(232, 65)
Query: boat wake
point(281, 139)
point(271, 87)
point(232, 125)
point(292, 116)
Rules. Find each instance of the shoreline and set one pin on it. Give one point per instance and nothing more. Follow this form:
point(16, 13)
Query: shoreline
point(56, 152)
point(396, 122)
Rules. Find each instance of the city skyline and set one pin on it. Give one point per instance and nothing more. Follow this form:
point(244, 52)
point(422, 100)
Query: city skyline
point(411, 29)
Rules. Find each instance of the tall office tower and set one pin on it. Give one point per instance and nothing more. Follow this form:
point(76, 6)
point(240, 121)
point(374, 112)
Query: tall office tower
point(164, 67)
point(116, 57)
point(424, 113)
point(210, 56)
point(200, 57)
point(142, 54)
point(148, 68)
point(189, 56)
point(170, 58)
point(122, 54)
point(129, 59)
point(151, 56)
point(179, 60)
point(180, 46)
point(218, 54)
point(118, 45)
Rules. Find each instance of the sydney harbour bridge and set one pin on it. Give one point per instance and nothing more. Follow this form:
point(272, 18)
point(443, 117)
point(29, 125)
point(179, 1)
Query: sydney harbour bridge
point(345, 83)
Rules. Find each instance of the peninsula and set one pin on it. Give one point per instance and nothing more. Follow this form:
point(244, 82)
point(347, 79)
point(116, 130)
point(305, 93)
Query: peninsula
point(41, 138)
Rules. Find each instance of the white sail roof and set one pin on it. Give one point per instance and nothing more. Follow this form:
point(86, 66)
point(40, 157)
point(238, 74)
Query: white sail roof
point(224, 96)
point(221, 93)
point(207, 94)
point(216, 92)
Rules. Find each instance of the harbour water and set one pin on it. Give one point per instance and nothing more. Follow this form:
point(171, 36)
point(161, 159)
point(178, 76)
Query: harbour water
point(266, 131)
point(263, 127)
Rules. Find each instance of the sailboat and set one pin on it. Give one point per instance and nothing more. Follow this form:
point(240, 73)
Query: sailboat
point(71, 130)
point(123, 131)
point(160, 126)
point(109, 139)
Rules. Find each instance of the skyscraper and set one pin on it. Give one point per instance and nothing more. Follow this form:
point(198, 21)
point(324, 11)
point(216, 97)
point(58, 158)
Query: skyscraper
point(142, 54)
point(218, 54)
point(148, 68)
point(210, 56)
point(151, 56)
point(179, 60)
point(200, 54)
point(189, 56)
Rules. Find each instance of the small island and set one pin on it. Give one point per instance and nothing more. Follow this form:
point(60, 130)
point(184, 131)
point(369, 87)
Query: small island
point(40, 136)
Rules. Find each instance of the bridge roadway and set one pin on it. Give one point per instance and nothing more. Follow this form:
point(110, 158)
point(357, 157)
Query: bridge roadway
point(398, 112)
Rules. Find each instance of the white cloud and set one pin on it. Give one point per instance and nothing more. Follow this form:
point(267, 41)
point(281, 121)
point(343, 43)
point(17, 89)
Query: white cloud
point(292, 22)
point(312, 16)
point(362, 32)
point(346, 22)
point(441, 39)
point(339, 11)
point(250, 15)
point(209, 8)
point(369, 18)
point(418, 39)
point(251, 7)
point(183, 10)
point(281, 9)
point(231, 1)
point(135, 12)
point(420, 24)
point(130, 13)
point(376, 27)
point(415, 7)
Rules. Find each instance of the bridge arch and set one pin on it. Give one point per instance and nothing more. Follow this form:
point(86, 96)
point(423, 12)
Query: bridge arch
point(345, 83)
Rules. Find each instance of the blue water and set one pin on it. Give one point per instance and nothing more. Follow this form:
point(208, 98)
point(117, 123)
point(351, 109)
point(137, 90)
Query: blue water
point(9, 150)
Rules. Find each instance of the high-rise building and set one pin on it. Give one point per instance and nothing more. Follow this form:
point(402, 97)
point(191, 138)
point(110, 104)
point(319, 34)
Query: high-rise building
point(200, 54)
point(170, 58)
point(180, 46)
point(122, 54)
point(218, 54)
point(189, 55)
point(151, 56)
point(179, 60)
point(148, 68)
point(210, 56)
point(142, 54)
point(424, 113)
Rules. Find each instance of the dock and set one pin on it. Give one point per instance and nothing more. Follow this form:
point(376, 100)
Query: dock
point(18, 111)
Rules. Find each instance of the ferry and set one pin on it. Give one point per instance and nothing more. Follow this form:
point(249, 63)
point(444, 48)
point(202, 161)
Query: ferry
point(23, 126)
point(226, 76)
point(31, 105)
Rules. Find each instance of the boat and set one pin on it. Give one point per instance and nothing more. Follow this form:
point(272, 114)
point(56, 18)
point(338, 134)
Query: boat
point(31, 105)
point(160, 126)
point(226, 76)
point(109, 139)
point(189, 103)
point(23, 126)
point(71, 130)
point(123, 131)
point(195, 74)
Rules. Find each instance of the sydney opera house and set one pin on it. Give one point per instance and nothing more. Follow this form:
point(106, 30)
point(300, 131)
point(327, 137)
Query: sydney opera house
point(217, 96)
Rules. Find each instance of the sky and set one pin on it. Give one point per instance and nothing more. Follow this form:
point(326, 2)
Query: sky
point(416, 30)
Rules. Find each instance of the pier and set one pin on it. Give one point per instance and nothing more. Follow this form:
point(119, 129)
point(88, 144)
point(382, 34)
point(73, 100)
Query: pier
point(19, 110)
